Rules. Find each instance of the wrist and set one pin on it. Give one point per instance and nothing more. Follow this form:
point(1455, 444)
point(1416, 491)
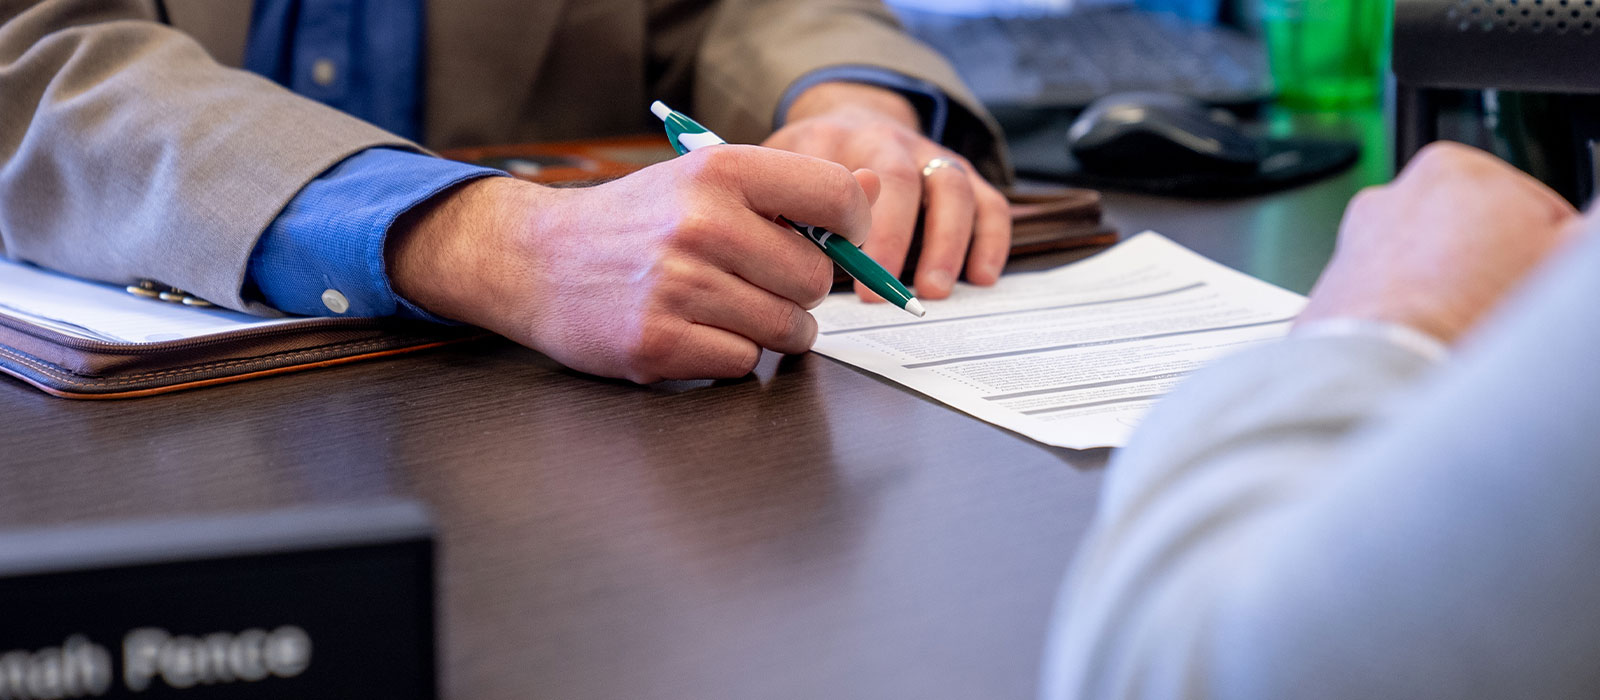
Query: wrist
point(1378, 304)
point(1424, 345)
point(830, 97)
point(443, 254)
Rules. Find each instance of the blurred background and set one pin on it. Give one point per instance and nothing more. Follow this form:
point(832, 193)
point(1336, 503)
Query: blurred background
point(1130, 90)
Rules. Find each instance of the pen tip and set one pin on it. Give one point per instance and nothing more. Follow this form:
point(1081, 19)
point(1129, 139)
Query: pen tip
point(660, 110)
point(915, 307)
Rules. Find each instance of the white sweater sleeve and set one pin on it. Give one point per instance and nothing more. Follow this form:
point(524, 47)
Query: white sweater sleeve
point(1326, 518)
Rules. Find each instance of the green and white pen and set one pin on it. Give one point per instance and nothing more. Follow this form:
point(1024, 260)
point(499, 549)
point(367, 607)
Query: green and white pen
point(687, 135)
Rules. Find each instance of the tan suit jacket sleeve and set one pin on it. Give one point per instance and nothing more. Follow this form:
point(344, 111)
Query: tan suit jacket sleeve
point(755, 49)
point(126, 152)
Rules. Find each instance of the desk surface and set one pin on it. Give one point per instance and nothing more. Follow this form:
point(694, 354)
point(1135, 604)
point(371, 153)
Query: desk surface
point(809, 532)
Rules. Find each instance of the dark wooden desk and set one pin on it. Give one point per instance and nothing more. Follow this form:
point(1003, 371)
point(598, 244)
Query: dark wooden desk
point(811, 532)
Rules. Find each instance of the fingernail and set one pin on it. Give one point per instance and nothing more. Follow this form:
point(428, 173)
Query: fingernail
point(937, 281)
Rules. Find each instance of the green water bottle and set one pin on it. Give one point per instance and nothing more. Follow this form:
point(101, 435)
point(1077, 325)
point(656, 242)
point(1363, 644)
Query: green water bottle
point(1327, 54)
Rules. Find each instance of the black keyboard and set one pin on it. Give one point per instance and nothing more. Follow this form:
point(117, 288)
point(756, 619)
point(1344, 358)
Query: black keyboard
point(1067, 61)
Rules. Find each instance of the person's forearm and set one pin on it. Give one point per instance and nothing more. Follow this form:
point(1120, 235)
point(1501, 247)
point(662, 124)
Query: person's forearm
point(1233, 444)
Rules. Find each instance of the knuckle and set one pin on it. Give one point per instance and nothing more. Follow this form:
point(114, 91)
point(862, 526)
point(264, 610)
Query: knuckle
point(902, 175)
point(672, 283)
point(693, 228)
point(653, 346)
point(1451, 157)
point(885, 131)
point(716, 165)
point(722, 158)
point(1559, 210)
point(1367, 196)
point(1443, 149)
point(784, 134)
point(819, 280)
point(696, 166)
point(842, 189)
point(732, 362)
point(990, 198)
point(900, 171)
point(788, 324)
point(829, 130)
point(745, 361)
point(1431, 152)
point(1368, 202)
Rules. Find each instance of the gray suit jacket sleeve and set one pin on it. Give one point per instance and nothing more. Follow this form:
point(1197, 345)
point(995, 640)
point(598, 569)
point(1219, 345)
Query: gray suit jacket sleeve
point(1330, 518)
point(127, 153)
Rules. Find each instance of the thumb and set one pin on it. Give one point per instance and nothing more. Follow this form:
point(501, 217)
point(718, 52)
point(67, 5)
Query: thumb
point(870, 184)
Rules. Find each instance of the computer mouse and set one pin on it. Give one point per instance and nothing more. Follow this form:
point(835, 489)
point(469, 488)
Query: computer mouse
point(1147, 134)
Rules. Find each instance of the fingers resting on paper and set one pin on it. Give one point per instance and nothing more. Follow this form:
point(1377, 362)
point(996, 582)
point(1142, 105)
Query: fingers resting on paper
point(966, 222)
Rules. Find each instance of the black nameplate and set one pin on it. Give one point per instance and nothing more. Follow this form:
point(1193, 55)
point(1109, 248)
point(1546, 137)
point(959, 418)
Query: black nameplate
point(305, 604)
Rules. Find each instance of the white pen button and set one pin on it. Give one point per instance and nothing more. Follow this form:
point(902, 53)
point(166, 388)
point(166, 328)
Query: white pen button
point(335, 301)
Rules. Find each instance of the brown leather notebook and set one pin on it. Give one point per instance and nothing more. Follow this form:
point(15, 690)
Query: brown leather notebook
point(71, 367)
point(1057, 218)
point(1042, 219)
point(87, 340)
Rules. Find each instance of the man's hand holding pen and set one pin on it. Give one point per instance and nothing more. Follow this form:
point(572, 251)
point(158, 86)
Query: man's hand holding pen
point(678, 271)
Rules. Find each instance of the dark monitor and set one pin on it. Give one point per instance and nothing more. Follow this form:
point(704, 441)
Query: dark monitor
point(1515, 77)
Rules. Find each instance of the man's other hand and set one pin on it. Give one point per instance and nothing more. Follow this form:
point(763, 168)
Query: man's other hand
point(675, 272)
point(1440, 246)
point(967, 220)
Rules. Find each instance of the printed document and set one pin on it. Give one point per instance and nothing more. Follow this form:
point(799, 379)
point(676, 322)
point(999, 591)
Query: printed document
point(1071, 357)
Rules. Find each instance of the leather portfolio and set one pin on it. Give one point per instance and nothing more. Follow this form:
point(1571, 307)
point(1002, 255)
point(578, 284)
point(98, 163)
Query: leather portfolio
point(79, 368)
point(79, 339)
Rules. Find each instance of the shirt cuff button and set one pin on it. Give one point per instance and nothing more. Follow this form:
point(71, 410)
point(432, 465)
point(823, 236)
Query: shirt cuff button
point(323, 72)
point(335, 301)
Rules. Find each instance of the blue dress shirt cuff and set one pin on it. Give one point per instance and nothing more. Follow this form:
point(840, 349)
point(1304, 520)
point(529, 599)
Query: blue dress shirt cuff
point(324, 254)
point(932, 104)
